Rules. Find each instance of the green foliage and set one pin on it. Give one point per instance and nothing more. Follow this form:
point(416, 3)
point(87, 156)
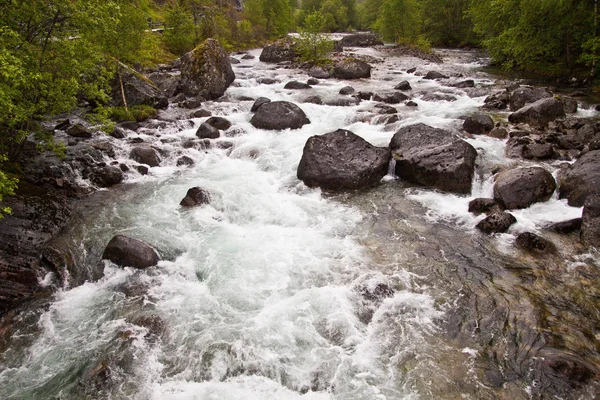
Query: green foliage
point(399, 21)
point(8, 185)
point(103, 115)
point(447, 23)
point(339, 15)
point(275, 16)
point(313, 45)
point(179, 34)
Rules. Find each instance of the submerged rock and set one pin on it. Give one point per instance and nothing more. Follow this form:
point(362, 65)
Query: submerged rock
point(129, 252)
point(279, 115)
point(580, 179)
point(564, 227)
point(521, 187)
point(351, 68)
point(195, 196)
point(534, 244)
point(433, 157)
point(497, 223)
point(342, 160)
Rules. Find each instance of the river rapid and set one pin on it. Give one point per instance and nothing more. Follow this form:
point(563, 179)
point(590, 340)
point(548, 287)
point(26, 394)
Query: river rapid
point(278, 291)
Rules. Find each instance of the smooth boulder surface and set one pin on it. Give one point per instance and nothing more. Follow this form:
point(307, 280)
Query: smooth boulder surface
point(351, 68)
point(521, 187)
point(539, 113)
point(279, 115)
point(107, 176)
point(206, 71)
point(145, 155)
point(195, 196)
point(564, 227)
point(435, 75)
point(207, 131)
point(496, 223)
point(79, 131)
point(433, 157)
point(342, 160)
point(483, 206)
point(478, 124)
point(258, 103)
point(524, 95)
point(390, 98)
point(137, 89)
point(360, 40)
point(129, 252)
point(220, 123)
point(590, 225)
point(580, 179)
point(297, 85)
point(281, 50)
point(319, 73)
point(404, 85)
point(534, 244)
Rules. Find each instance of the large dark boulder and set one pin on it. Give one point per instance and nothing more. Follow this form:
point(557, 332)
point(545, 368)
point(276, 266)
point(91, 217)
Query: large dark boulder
point(79, 131)
point(435, 75)
point(220, 123)
point(535, 244)
point(539, 113)
point(497, 100)
point(433, 157)
point(342, 160)
point(390, 98)
point(279, 115)
point(482, 205)
point(207, 131)
point(564, 227)
point(590, 226)
point(296, 85)
point(351, 68)
point(107, 176)
point(129, 252)
point(404, 85)
point(524, 95)
point(166, 82)
point(137, 89)
point(195, 196)
point(521, 187)
point(258, 103)
point(206, 71)
point(496, 223)
point(360, 40)
point(478, 124)
point(145, 155)
point(580, 179)
point(281, 50)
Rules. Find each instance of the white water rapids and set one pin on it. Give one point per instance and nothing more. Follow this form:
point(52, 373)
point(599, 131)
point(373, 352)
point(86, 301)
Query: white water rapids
point(261, 294)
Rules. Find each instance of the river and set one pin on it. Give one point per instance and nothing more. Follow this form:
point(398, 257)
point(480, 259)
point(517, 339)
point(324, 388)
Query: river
point(278, 291)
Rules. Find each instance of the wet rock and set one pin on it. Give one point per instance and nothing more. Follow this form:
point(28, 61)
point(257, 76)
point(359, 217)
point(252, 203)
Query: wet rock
point(142, 169)
point(385, 109)
point(118, 133)
point(497, 101)
point(201, 113)
point(319, 73)
point(62, 125)
point(534, 244)
point(166, 82)
point(195, 196)
point(439, 97)
point(296, 85)
point(580, 179)
point(496, 223)
point(234, 60)
point(434, 158)
point(404, 85)
point(524, 95)
point(137, 89)
point(590, 226)
point(185, 161)
point(498, 133)
point(259, 102)
point(341, 160)
point(145, 155)
point(351, 68)
point(586, 133)
point(411, 104)
point(521, 187)
point(343, 102)
point(220, 123)
point(538, 151)
point(312, 81)
point(468, 83)
point(107, 176)
point(390, 98)
point(360, 40)
point(248, 57)
point(154, 323)
point(411, 70)
point(435, 75)
point(478, 124)
point(281, 50)
point(514, 146)
point(190, 104)
point(539, 113)
point(206, 71)
point(79, 131)
point(267, 81)
point(565, 227)
point(129, 125)
point(570, 105)
point(313, 100)
point(570, 142)
point(365, 95)
point(347, 90)
point(279, 115)
point(207, 131)
point(129, 252)
point(483, 206)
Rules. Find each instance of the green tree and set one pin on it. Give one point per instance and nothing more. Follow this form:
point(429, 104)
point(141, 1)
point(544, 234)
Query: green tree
point(313, 45)
point(179, 34)
point(446, 22)
point(399, 21)
point(276, 16)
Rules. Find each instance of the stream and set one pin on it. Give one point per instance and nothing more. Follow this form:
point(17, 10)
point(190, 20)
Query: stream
point(278, 291)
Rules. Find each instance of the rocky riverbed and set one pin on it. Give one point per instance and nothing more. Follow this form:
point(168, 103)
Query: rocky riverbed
point(390, 228)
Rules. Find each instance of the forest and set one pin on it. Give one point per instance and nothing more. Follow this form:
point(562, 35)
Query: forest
point(56, 54)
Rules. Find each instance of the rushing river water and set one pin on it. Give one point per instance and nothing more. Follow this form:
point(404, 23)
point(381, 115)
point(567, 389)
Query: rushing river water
point(278, 291)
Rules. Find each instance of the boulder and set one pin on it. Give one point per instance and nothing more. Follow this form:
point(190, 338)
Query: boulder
point(129, 252)
point(496, 223)
point(279, 115)
point(515, 145)
point(538, 151)
point(498, 133)
point(483, 206)
point(497, 101)
point(343, 102)
point(365, 95)
point(220, 123)
point(313, 100)
point(535, 245)
point(137, 89)
point(404, 85)
point(259, 102)
point(195, 196)
point(185, 161)
point(539, 113)
point(435, 75)
point(281, 50)
point(570, 105)
point(346, 90)
point(390, 98)
point(351, 68)
point(145, 155)
point(524, 95)
point(411, 104)
point(319, 73)
point(433, 157)
point(79, 131)
point(385, 109)
point(166, 82)
point(439, 97)
point(267, 81)
point(568, 226)
point(206, 71)
point(107, 176)
point(207, 131)
point(585, 133)
point(590, 225)
point(360, 40)
point(296, 85)
point(248, 57)
point(580, 179)
point(478, 124)
point(521, 187)
point(312, 81)
point(118, 133)
point(468, 83)
point(342, 160)
point(202, 113)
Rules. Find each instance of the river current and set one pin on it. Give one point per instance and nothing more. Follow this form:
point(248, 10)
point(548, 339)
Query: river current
point(278, 291)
